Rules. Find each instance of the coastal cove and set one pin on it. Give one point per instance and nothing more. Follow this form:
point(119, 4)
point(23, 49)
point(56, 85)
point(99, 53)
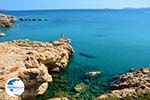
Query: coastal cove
point(112, 42)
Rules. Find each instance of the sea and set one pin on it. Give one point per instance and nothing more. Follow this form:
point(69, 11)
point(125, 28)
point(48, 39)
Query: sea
point(110, 41)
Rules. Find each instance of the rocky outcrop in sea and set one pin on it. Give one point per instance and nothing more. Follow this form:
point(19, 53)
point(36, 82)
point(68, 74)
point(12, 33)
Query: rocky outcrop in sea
point(130, 85)
point(7, 20)
point(32, 62)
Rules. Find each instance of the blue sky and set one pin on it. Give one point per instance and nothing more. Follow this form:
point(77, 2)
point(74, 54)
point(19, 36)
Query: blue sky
point(71, 4)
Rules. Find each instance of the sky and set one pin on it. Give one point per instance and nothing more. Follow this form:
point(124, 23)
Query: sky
point(71, 4)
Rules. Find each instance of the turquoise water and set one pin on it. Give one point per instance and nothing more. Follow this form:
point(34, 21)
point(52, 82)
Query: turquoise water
point(117, 39)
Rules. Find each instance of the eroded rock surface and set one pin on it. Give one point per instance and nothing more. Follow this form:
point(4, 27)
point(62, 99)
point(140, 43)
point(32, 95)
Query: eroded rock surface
point(33, 62)
point(7, 20)
point(130, 84)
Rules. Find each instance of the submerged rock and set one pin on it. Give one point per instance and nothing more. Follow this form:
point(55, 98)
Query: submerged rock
point(33, 19)
point(45, 19)
point(81, 87)
point(86, 55)
point(130, 84)
point(39, 19)
point(25, 19)
point(32, 61)
point(21, 19)
point(92, 74)
point(7, 20)
point(59, 98)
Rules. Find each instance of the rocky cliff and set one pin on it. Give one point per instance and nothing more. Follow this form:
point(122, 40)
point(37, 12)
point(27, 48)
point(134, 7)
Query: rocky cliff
point(33, 62)
point(7, 20)
point(130, 85)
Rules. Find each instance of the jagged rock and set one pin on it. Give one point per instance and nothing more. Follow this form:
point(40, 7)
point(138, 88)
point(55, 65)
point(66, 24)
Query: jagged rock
point(32, 61)
point(130, 84)
point(146, 71)
point(41, 90)
point(55, 69)
point(7, 20)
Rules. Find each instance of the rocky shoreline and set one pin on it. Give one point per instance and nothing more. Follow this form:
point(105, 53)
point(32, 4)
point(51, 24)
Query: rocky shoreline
point(130, 84)
point(33, 62)
point(7, 20)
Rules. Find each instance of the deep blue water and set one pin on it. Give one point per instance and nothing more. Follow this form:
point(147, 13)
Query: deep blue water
point(117, 39)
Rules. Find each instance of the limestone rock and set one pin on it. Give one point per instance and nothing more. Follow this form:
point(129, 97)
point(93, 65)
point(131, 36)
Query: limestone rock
point(130, 84)
point(41, 90)
point(33, 62)
point(7, 20)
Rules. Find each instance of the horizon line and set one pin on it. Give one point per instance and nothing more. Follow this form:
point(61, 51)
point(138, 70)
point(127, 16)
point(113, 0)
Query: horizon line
point(126, 8)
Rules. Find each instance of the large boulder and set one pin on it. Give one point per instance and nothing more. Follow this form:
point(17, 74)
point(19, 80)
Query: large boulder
point(7, 20)
point(32, 62)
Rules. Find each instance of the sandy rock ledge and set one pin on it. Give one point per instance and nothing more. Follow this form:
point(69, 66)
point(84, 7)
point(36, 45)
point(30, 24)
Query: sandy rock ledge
point(33, 62)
